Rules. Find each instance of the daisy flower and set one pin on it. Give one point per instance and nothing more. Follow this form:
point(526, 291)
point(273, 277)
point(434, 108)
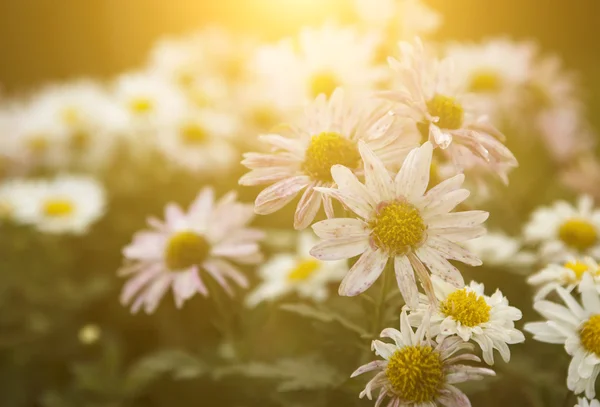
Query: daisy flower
point(301, 158)
point(577, 327)
point(581, 402)
point(431, 98)
point(177, 252)
point(198, 140)
point(416, 372)
point(12, 193)
point(567, 275)
point(563, 230)
point(65, 204)
point(499, 249)
point(399, 221)
point(297, 272)
point(471, 315)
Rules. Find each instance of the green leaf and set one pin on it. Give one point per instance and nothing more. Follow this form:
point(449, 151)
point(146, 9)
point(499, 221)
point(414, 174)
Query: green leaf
point(324, 315)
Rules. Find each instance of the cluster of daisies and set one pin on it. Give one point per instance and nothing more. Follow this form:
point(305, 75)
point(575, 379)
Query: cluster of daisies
point(372, 150)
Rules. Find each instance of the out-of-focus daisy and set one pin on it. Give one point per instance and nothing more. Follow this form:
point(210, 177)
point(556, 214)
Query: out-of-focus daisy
point(581, 402)
point(302, 156)
point(416, 372)
point(471, 315)
point(177, 253)
point(12, 194)
point(499, 249)
point(297, 272)
point(563, 230)
point(577, 327)
point(430, 96)
point(398, 220)
point(199, 140)
point(550, 86)
point(65, 204)
point(583, 175)
point(567, 275)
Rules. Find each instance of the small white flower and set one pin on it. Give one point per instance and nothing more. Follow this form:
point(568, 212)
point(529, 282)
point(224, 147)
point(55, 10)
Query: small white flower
point(471, 315)
point(173, 254)
point(297, 272)
point(567, 275)
point(398, 220)
point(65, 204)
point(416, 372)
point(432, 98)
point(577, 327)
point(302, 156)
point(581, 402)
point(563, 230)
point(499, 249)
point(12, 193)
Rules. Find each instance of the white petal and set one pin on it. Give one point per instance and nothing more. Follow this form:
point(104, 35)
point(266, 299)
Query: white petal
point(307, 208)
point(278, 195)
point(337, 249)
point(407, 284)
point(377, 178)
point(413, 178)
point(341, 227)
point(364, 273)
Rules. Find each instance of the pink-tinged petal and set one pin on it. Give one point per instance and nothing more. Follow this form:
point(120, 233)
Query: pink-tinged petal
point(146, 246)
point(394, 335)
point(215, 272)
point(156, 223)
point(440, 267)
point(369, 367)
point(347, 182)
point(339, 249)
point(459, 234)
point(466, 219)
point(364, 273)
point(200, 210)
point(407, 284)
point(174, 216)
point(340, 228)
point(156, 291)
point(328, 206)
point(443, 188)
point(278, 195)
point(440, 138)
point(377, 178)
point(451, 396)
point(259, 160)
point(135, 284)
point(228, 270)
point(294, 146)
point(186, 285)
point(307, 208)
point(235, 249)
point(266, 176)
point(446, 203)
point(453, 251)
point(413, 178)
point(351, 201)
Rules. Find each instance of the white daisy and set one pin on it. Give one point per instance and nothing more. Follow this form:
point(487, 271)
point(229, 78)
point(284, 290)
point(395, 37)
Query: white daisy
point(471, 315)
point(65, 204)
point(567, 275)
point(416, 372)
point(179, 251)
point(563, 230)
point(12, 194)
point(431, 97)
point(577, 326)
point(198, 140)
point(581, 402)
point(398, 220)
point(499, 249)
point(302, 156)
point(297, 272)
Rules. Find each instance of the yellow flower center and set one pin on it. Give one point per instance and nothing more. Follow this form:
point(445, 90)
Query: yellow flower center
point(590, 335)
point(193, 134)
point(323, 82)
point(70, 116)
point(416, 373)
point(38, 144)
point(328, 149)
point(398, 227)
point(304, 270)
point(185, 79)
point(264, 117)
point(58, 208)
point(141, 105)
point(466, 307)
point(578, 268)
point(485, 81)
point(578, 234)
point(79, 140)
point(449, 112)
point(186, 249)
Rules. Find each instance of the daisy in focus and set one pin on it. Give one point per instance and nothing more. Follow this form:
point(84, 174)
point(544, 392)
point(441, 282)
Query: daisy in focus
point(297, 272)
point(581, 402)
point(398, 220)
point(577, 327)
point(301, 156)
point(499, 249)
point(563, 230)
point(471, 315)
point(430, 96)
point(65, 204)
point(178, 252)
point(567, 275)
point(416, 372)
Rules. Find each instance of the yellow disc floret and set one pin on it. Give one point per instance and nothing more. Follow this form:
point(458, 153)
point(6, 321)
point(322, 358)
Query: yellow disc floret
point(141, 105)
point(448, 110)
point(58, 207)
point(186, 249)
point(38, 144)
point(326, 150)
point(579, 268)
point(416, 373)
point(304, 270)
point(323, 82)
point(590, 335)
point(485, 81)
point(398, 227)
point(193, 134)
point(578, 234)
point(466, 307)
